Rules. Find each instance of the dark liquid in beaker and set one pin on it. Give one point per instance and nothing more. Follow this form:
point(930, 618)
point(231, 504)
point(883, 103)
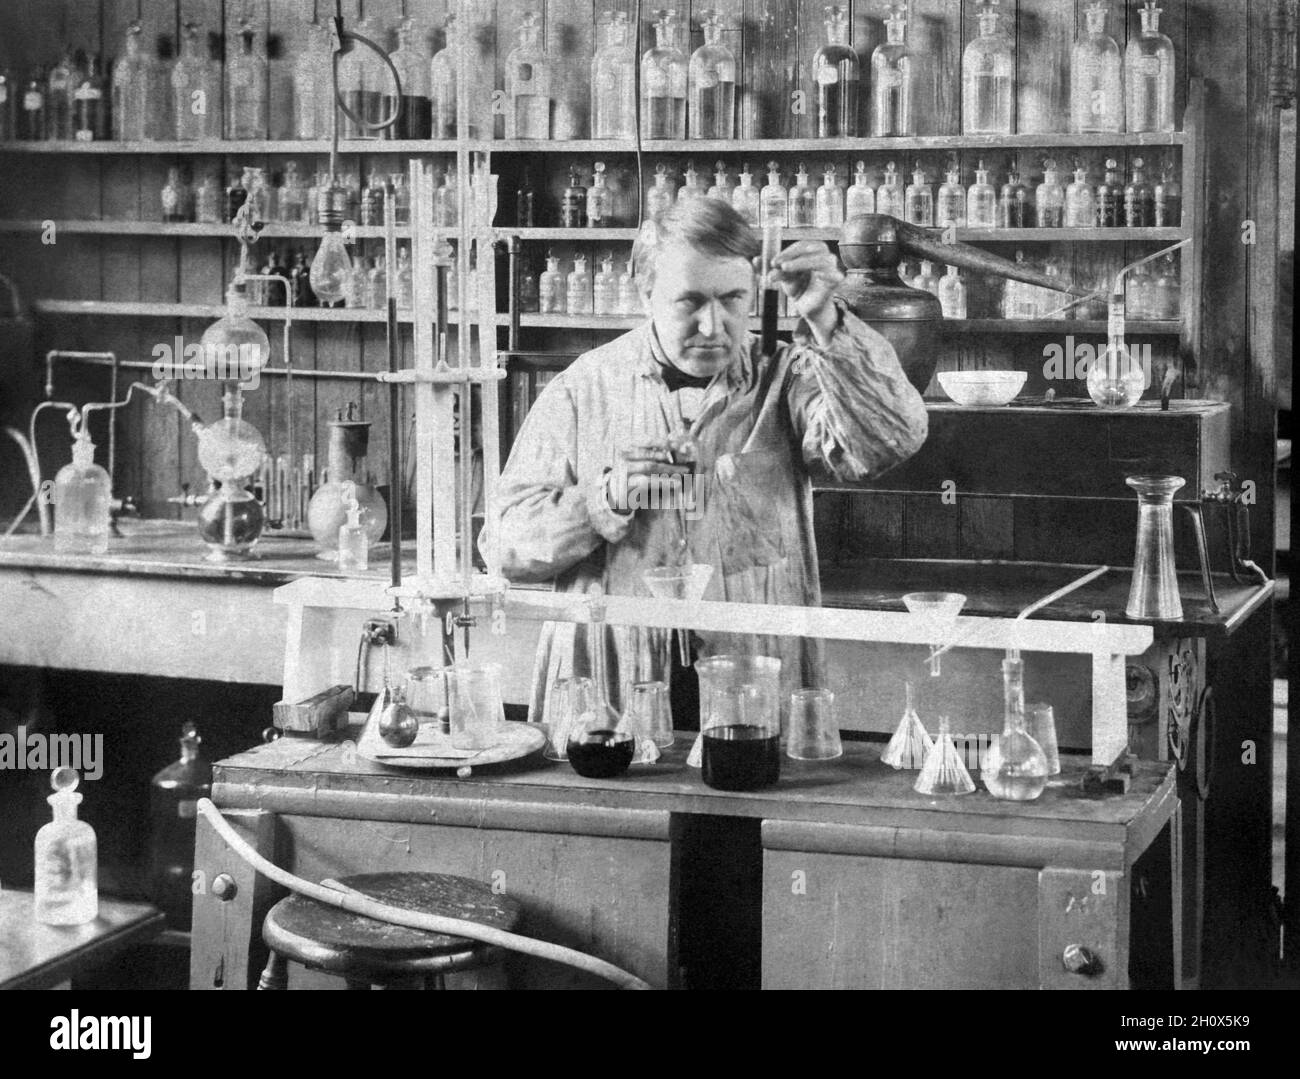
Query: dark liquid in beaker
point(741, 757)
point(601, 754)
point(417, 117)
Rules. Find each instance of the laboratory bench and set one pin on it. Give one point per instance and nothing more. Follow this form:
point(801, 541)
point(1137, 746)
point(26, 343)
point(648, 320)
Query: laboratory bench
point(865, 883)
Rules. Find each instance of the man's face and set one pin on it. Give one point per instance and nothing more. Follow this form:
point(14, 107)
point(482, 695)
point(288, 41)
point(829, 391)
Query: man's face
point(700, 307)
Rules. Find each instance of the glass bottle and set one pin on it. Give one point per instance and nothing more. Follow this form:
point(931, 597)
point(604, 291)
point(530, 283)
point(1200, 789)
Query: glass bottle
point(67, 859)
point(32, 108)
point(1115, 379)
point(8, 106)
point(246, 87)
point(578, 292)
point(1019, 301)
point(446, 202)
point(362, 80)
point(401, 199)
point(1167, 291)
point(292, 206)
point(891, 79)
point(60, 85)
point(377, 284)
point(196, 89)
point(988, 78)
point(550, 288)
point(661, 195)
point(173, 793)
point(837, 76)
point(1050, 198)
point(372, 200)
point(1015, 767)
point(711, 80)
point(721, 188)
point(82, 495)
point(605, 289)
point(528, 84)
point(442, 84)
point(573, 203)
point(613, 82)
point(1110, 198)
point(950, 207)
point(1139, 199)
point(982, 201)
point(1169, 200)
point(629, 299)
point(356, 284)
point(1014, 210)
point(926, 281)
point(529, 300)
point(773, 200)
point(128, 88)
point(952, 294)
point(1096, 77)
point(1139, 287)
point(802, 205)
point(1080, 206)
point(173, 197)
point(600, 200)
point(1149, 75)
point(412, 60)
point(889, 195)
point(691, 189)
point(664, 82)
point(90, 119)
point(312, 76)
point(745, 197)
point(830, 202)
point(405, 279)
point(525, 202)
point(861, 197)
point(258, 194)
point(236, 196)
point(300, 281)
point(1050, 299)
point(919, 200)
point(207, 201)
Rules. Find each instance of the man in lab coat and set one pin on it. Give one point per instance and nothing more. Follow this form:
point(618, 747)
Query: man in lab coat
point(596, 490)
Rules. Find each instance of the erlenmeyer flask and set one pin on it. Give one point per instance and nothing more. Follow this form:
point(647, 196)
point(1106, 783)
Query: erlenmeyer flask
point(1154, 592)
point(911, 744)
point(944, 771)
point(600, 744)
point(1015, 767)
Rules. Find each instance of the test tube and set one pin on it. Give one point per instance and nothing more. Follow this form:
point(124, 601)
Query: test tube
point(771, 296)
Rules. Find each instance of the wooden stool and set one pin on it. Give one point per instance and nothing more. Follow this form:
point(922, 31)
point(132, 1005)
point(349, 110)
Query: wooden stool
point(369, 953)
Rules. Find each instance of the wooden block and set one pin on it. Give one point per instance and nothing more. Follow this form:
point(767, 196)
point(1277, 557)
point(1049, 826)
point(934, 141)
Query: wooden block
point(318, 715)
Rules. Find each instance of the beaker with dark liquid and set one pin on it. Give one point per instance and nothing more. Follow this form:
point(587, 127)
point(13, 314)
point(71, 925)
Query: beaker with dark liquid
point(740, 721)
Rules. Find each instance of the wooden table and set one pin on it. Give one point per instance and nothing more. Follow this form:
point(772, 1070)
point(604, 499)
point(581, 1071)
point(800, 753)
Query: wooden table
point(35, 956)
point(866, 883)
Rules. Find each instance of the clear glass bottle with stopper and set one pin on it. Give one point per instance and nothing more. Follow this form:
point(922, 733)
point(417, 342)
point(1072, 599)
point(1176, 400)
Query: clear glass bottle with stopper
point(952, 294)
point(662, 194)
point(246, 86)
point(919, 200)
point(600, 200)
point(712, 84)
point(83, 494)
point(889, 195)
point(664, 82)
point(67, 859)
point(1110, 198)
point(412, 60)
point(745, 197)
point(926, 280)
point(129, 89)
point(836, 74)
point(1015, 767)
point(830, 202)
point(550, 287)
point(442, 83)
point(604, 291)
point(722, 187)
point(528, 83)
point(773, 200)
point(1014, 209)
point(691, 189)
point(312, 105)
point(1149, 75)
point(354, 542)
point(861, 197)
point(950, 207)
point(891, 79)
point(1050, 198)
point(1096, 77)
point(196, 88)
point(1169, 200)
point(982, 201)
point(613, 81)
point(578, 297)
point(1139, 199)
point(802, 202)
point(629, 299)
point(988, 78)
point(60, 84)
point(1080, 206)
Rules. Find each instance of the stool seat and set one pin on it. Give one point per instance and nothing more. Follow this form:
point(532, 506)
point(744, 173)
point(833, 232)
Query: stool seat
point(360, 948)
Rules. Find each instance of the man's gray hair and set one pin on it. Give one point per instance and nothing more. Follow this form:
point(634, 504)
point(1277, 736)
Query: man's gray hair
point(708, 225)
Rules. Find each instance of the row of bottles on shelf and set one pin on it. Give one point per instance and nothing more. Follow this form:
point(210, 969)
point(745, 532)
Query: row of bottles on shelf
point(192, 97)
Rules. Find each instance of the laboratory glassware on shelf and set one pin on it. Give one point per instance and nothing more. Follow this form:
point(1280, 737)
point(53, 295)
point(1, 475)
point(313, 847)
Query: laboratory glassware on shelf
point(918, 200)
point(66, 859)
point(950, 206)
point(801, 213)
point(988, 78)
point(721, 188)
point(711, 81)
point(911, 743)
point(349, 441)
point(837, 78)
point(1096, 77)
point(1149, 75)
point(664, 82)
point(745, 197)
point(412, 60)
point(528, 83)
point(861, 197)
point(246, 78)
point(830, 202)
point(1049, 198)
point(889, 195)
point(196, 89)
point(982, 201)
point(442, 83)
point(891, 79)
point(613, 81)
point(312, 103)
point(231, 451)
point(1080, 204)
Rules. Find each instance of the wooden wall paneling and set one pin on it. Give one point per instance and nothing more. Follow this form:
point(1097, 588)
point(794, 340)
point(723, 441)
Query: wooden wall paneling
point(935, 35)
point(1053, 530)
point(809, 34)
point(372, 398)
point(286, 22)
point(931, 527)
point(1173, 21)
point(1044, 34)
point(986, 527)
point(571, 41)
point(873, 526)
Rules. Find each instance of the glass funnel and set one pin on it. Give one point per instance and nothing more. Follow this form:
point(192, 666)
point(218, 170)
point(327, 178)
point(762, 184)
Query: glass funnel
point(1154, 592)
point(911, 743)
point(938, 612)
point(1015, 768)
point(944, 772)
point(686, 582)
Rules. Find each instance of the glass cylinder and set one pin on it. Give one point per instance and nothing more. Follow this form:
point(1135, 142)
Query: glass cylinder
point(891, 79)
point(1015, 768)
point(988, 79)
point(664, 82)
point(1096, 77)
point(1149, 75)
point(835, 71)
point(711, 78)
point(1154, 591)
point(613, 82)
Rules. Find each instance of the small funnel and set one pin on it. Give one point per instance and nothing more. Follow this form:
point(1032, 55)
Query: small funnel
point(685, 582)
point(938, 610)
point(944, 771)
point(911, 745)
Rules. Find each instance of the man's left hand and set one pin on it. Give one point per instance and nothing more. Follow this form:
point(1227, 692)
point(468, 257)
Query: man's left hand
point(809, 275)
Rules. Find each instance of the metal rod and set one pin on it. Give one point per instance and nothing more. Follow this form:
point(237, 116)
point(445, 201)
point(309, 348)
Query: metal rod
point(394, 394)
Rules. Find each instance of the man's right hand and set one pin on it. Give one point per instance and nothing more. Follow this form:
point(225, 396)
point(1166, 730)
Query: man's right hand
point(643, 477)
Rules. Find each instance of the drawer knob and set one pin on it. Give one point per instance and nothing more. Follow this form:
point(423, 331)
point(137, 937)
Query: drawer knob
point(224, 887)
point(1080, 960)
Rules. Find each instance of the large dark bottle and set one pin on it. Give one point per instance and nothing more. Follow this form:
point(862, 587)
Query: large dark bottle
point(1169, 201)
point(173, 793)
point(300, 275)
point(525, 203)
point(1110, 198)
point(90, 105)
point(1139, 200)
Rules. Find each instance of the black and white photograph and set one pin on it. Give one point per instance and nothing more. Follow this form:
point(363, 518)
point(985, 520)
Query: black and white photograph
point(697, 495)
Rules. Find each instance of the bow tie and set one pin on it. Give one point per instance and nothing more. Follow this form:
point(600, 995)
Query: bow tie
point(675, 378)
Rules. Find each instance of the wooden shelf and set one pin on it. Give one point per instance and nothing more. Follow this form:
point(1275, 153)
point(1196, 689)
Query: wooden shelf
point(608, 146)
point(213, 311)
